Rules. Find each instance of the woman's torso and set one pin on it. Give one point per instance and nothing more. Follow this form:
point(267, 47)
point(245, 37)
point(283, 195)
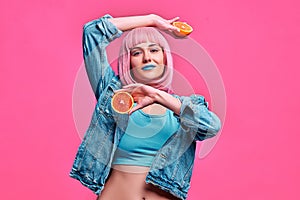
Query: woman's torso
point(127, 182)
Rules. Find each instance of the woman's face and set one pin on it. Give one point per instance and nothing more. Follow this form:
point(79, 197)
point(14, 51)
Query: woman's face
point(147, 62)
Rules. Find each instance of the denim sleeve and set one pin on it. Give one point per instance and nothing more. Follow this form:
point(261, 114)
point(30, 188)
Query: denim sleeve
point(97, 34)
point(195, 115)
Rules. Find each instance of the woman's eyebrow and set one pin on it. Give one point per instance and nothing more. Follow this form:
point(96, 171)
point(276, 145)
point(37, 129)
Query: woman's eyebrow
point(154, 44)
point(133, 48)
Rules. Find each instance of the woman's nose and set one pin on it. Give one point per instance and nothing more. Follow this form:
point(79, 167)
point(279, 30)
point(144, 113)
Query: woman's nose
point(147, 57)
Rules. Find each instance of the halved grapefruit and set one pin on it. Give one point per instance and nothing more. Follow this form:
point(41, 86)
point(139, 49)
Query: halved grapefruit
point(185, 29)
point(122, 102)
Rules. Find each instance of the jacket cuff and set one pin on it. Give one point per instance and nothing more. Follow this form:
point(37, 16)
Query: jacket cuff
point(108, 29)
point(195, 116)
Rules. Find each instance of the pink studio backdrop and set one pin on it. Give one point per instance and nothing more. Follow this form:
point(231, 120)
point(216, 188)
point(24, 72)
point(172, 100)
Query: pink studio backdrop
point(255, 45)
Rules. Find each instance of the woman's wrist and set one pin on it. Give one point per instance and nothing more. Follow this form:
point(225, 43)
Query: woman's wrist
point(168, 101)
point(157, 96)
point(153, 19)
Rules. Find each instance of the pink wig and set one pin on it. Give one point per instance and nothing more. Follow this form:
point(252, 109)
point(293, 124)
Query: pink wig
point(141, 35)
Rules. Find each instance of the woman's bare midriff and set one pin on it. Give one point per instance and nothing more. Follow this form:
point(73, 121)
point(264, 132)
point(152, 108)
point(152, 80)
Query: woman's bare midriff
point(128, 183)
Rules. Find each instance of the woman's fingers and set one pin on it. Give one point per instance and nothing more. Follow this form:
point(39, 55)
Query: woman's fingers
point(165, 24)
point(173, 20)
point(128, 88)
point(121, 90)
point(142, 95)
point(133, 85)
point(170, 22)
point(138, 106)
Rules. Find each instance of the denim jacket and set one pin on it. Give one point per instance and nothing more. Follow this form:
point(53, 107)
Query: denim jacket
point(172, 166)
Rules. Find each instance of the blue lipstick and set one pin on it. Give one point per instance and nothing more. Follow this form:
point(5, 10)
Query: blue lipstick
point(148, 67)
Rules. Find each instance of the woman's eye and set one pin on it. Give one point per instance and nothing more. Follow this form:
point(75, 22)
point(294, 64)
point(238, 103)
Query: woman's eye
point(136, 53)
point(154, 50)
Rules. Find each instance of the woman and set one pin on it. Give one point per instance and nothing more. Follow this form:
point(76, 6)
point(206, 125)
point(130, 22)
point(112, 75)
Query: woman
point(148, 154)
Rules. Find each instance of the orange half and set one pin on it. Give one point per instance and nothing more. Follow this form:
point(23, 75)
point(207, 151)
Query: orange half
point(185, 29)
point(122, 102)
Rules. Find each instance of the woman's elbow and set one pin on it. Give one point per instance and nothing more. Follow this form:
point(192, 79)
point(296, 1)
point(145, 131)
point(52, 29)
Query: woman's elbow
point(215, 126)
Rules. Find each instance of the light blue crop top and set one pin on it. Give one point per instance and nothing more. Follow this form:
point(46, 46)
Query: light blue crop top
point(144, 136)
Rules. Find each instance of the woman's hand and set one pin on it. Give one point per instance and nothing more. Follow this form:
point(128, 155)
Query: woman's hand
point(145, 95)
point(164, 24)
point(167, 26)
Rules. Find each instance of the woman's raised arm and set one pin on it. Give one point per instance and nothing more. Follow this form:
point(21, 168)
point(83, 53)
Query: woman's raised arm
point(131, 22)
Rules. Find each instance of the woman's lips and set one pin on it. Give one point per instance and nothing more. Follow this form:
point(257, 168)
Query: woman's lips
point(148, 67)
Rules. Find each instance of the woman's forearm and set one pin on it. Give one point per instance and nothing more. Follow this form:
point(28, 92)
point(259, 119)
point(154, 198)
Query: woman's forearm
point(168, 101)
point(131, 22)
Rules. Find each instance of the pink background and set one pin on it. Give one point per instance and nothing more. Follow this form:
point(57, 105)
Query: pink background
point(255, 45)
